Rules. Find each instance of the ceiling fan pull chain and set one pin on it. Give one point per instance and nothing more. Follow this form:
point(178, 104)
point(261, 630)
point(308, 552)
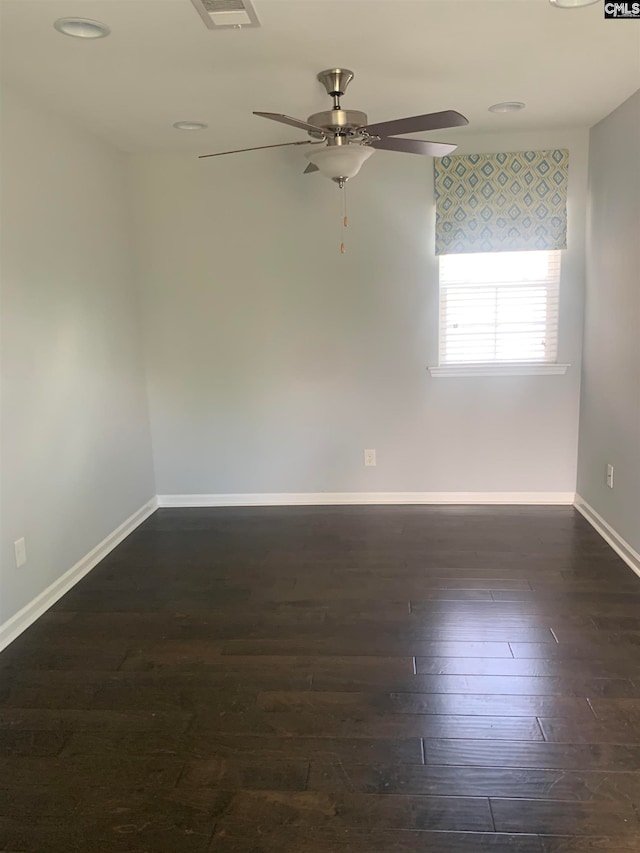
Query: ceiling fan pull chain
point(345, 219)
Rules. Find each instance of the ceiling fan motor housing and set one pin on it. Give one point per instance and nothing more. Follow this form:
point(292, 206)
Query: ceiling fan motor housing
point(345, 122)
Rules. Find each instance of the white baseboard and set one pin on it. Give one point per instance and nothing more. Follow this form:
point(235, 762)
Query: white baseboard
point(360, 498)
point(619, 545)
point(42, 602)
point(18, 623)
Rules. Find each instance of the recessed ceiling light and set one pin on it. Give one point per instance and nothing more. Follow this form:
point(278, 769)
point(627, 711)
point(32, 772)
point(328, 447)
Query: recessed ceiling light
point(507, 107)
point(81, 28)
point(190, 125)
point(572, 4)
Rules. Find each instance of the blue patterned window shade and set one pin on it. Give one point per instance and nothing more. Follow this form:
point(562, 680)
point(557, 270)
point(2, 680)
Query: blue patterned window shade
point(509, 202)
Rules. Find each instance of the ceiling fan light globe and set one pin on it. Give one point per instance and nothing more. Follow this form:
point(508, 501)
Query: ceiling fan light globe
point(340, 161)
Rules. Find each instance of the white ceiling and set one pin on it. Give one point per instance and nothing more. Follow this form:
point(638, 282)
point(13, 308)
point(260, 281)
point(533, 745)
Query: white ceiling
point(161, 64)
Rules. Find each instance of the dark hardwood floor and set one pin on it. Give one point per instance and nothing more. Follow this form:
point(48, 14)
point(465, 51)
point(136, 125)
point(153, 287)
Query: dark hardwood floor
point(332, 680)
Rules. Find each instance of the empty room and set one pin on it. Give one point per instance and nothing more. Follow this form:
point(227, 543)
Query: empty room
point(320, 437)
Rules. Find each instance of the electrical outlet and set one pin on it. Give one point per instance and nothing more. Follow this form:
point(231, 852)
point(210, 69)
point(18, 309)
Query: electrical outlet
point(21, 552)
point(610, 476)
point(370, 458)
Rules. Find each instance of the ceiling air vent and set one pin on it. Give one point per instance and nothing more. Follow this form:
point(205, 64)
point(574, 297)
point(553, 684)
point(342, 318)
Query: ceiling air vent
point(221, 14)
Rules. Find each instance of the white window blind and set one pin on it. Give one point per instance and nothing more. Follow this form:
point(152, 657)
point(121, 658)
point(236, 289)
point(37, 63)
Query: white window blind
point(499, 307)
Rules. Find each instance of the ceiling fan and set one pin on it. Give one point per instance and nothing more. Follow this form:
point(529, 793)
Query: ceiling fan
point(345, 139)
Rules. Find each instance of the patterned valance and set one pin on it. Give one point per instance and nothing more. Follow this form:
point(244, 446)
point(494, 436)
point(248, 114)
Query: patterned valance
point(501, 202)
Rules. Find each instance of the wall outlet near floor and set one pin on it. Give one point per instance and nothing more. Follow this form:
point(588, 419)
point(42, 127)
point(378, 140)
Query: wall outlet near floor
point(369, 458)
point(21, 552)
point(610, 476)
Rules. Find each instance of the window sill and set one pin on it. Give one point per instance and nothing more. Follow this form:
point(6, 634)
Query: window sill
point(522, 369)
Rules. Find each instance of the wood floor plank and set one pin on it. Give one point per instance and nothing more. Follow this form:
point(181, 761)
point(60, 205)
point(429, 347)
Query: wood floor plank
point(73, 720)
point(42, 654)
point(33, 744)
point(617, 623)
point(322, 702)
point(355, 722)
point(245, 773)
point(588, 649)
point(519, 685)
point(358, 811)
point(294, 840)
point(141, 742)
point(203, 744)
point(616, 712)
point(528, 666)
point(433, 780)
point(567, 635)
point(457, 595)
point(546, 756)
point(373, 646)
point(413, 589)
point(230, 697)
point(617, 730)
point(192, 656)
point(228, 673)
point(52, 696)
point(601, 817)
point(597, 601)
point(146, 771)
point(365, 749)
point(629, 842)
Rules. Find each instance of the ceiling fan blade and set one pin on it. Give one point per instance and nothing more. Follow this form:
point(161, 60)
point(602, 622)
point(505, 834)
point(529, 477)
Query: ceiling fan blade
point(415, 146)
point(417, 124)
point(258, 148)
point(294, 122)
point(311, 168)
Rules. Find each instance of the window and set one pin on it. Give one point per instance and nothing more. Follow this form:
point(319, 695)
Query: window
point(499, 309)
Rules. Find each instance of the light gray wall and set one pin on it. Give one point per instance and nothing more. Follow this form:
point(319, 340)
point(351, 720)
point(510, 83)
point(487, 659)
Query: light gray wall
point(273, 361)
point(610, 406)
point(76, 455)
